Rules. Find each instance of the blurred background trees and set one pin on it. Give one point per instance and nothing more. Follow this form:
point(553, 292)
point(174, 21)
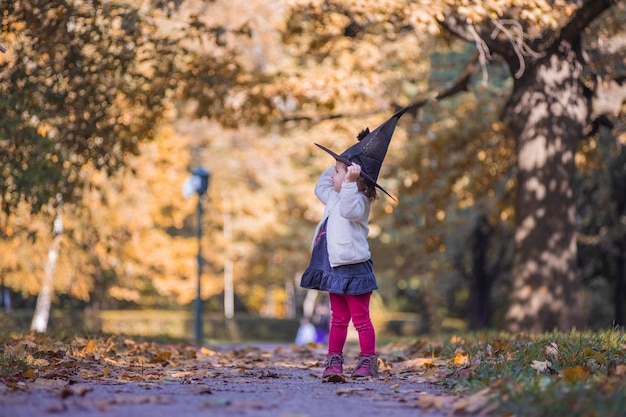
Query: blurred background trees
point(107, 105)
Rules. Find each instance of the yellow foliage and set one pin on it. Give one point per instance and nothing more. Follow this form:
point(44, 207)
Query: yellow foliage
point(138, 228)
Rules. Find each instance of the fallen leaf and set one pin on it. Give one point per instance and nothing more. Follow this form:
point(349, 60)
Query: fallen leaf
point(77, 390)
point(345, 391)
point(41, 362)
point(416, 363)
point(29, 374)
point(461, 359)
point(207, 351)
point(471, 404)
point(552, 350)
point(587, 352)
point(541, 366)
point(163, 356)
point(90, 348)
point(439, 402)
point(182, 374)
point(574, 374)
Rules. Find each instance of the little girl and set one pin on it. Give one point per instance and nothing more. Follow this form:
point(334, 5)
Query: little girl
point(341, 264)
point(340, 260)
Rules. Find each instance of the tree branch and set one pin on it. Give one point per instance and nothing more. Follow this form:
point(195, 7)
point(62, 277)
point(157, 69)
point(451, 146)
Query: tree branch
point(514, 50)
point(583, 17)
point(452, 24)
point(460, 84)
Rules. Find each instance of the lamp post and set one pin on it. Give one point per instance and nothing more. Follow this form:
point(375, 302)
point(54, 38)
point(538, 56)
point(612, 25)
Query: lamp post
point(198, 183)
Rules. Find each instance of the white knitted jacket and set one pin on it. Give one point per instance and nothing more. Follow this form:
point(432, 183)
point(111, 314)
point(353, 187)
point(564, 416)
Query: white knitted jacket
point(347, 212)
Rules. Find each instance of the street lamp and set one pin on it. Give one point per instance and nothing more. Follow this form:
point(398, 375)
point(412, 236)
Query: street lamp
point(198, 183)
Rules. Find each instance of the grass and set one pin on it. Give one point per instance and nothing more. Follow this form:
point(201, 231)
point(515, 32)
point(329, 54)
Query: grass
point(11, 363)
point(553, 374)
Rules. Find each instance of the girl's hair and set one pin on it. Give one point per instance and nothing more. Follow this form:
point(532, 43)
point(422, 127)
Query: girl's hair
point(368, 188)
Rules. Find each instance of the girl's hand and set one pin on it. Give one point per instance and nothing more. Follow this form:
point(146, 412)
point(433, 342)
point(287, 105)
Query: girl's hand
point(353, 173)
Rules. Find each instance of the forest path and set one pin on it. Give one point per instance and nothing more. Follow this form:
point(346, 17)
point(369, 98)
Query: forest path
point(259, 380)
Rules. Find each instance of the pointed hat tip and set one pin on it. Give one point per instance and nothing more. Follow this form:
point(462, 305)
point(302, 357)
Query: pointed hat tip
point(403, 110)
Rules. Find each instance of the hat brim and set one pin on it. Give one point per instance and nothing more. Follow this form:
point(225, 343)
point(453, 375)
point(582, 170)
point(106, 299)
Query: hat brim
point(347, 162)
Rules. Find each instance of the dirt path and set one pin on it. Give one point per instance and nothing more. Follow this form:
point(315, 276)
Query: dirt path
point(255, 381)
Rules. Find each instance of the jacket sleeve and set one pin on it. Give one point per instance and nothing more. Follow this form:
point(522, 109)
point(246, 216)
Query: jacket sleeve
point(324, 186)
point(353, 204)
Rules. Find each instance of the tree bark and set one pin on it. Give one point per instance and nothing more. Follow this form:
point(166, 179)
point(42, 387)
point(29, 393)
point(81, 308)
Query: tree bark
point(617, 177)
point(546, 113)
point(620, 288)
point(480, 288)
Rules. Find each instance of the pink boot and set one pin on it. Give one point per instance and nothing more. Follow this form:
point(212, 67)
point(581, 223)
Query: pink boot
point(334, 369)
point(366, 367)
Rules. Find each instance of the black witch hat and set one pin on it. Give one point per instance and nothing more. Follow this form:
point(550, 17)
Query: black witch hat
point(369, 152)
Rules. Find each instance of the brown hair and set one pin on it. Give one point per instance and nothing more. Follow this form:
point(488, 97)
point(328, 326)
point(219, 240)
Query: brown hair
point(367, 188)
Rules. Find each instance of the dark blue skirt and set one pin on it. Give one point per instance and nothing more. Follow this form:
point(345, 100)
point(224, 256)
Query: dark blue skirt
point(345, 279)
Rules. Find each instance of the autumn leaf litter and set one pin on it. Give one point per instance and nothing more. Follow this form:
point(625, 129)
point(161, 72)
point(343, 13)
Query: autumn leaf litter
point(119, 375)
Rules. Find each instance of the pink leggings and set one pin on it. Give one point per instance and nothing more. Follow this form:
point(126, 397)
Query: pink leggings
point(356, 307)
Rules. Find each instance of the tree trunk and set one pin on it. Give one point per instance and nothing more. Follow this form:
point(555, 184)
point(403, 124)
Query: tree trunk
point(44, 300)
point(620, 288)
point(480, 289)
point(546, 113)
point(617, 177)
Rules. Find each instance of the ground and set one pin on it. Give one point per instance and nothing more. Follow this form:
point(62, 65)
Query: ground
point(248, 380)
